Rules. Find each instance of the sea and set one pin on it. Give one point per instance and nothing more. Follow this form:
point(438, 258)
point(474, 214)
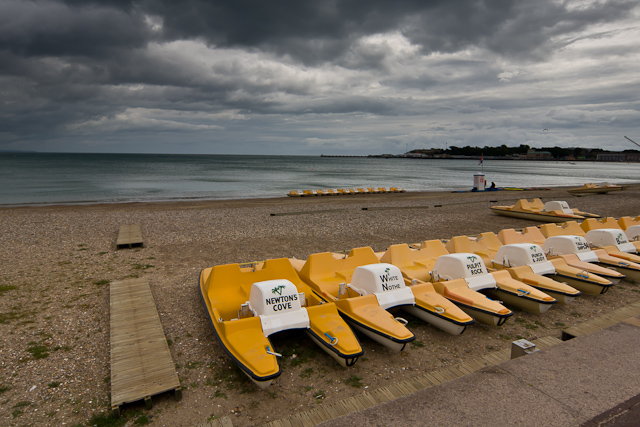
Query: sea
point(82, 178)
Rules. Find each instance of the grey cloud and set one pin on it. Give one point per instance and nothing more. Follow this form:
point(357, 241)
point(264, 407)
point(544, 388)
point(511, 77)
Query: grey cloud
point(73, 64)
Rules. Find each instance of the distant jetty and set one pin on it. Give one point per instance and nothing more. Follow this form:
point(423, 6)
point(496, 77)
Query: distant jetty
point(340, 155)
point(388, 156)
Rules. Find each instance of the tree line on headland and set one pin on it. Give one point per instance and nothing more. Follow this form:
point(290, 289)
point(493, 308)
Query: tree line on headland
point(522, 152)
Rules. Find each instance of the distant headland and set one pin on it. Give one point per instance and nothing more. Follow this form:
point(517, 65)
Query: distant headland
point(523, 152)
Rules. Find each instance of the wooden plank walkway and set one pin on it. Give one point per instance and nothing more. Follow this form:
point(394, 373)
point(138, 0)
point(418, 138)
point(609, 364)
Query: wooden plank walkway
point(141, 364)
point(602, 322)
point(220, 422)
point(129, 236)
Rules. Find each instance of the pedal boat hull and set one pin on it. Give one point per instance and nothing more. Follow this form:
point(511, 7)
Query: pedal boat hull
point(535, 216)
point(475, 304)
point(244, 339)
point(562, 292)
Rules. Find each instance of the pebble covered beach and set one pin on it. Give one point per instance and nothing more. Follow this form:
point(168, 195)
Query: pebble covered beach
point(57, 263)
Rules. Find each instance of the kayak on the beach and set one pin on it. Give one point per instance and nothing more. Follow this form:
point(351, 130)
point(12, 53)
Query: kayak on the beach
point(553, 211)
point(247, 305)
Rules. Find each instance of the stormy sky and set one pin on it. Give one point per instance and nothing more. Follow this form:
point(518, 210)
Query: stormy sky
point(321, 76)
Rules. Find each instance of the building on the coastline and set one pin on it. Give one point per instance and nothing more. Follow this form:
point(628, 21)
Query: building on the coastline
point(538, 155)
point(629, 156)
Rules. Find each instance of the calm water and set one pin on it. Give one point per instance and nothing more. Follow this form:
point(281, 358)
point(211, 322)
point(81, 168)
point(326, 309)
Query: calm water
point(53, 178)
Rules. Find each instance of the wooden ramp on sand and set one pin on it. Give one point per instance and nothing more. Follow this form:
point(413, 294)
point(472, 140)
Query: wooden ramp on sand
point(141, 364)
point(129, 236)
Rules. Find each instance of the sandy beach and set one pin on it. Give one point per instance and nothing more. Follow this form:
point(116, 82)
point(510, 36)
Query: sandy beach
point(58, 261)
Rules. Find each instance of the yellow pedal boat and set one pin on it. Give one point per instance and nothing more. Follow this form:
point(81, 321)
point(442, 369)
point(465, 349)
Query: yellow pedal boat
point(574, 250)
point(429, 305)
point(247, 305)
point(632, 233)
point(554, 211)
point(524, 254)
point(591, 188)
point(609, 255)
point(487, 244)
point(631, 227)
point(432, 262)
point(364, 289)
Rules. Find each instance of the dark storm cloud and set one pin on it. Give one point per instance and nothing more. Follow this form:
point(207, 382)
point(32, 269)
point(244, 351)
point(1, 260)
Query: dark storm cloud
point(53, 29)
point(71, 67)
point(315, 31)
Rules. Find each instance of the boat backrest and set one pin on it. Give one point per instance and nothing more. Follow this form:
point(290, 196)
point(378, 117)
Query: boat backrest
point(400, 255)
point(460, 244)
point(373, 278)
point(562, 245)
point(403, 256)
point(602, 237)
point(229, 286)
point(272, 297)
point(324, 269)
point(432, 249)
point(557, 205)
point(599, 223)
point(467, 266)
point(626, 222)
point(534, 205)
point(489, 241)
point(460, 266)
point(519, 254)
point(569, 228)
point(464, 244)
point(527, 235)
point(278, 304)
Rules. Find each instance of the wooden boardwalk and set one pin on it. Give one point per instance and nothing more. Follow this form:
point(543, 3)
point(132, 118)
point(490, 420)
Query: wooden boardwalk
point(141, 364)
point(601, 322)
point(129, 236)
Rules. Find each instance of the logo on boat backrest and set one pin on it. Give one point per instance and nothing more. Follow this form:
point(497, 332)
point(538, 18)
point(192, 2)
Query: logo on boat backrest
point(535, 255)
point(475, 266)
point(372, 278)
point(278, 289)
point(621, 239)
point(581, 243)
point(388, 281)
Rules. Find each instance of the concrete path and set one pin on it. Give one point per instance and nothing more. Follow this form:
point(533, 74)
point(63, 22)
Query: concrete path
point(593, 380)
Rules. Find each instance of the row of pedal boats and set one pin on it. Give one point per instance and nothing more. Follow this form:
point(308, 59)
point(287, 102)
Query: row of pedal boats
point(344, 191)
point(449, 284)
